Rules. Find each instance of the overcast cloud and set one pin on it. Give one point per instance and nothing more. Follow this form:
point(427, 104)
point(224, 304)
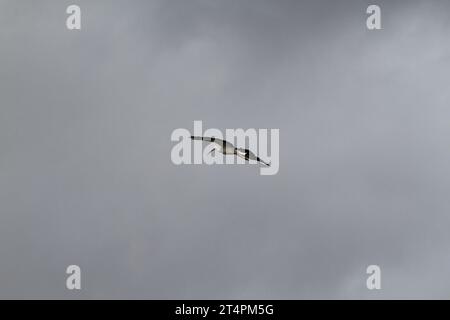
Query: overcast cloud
point(86, 176)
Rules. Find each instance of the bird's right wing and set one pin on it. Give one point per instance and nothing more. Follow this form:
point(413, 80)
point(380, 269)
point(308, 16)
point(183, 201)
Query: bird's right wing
point(248, 155)
point(262, 161)
point(204, 138)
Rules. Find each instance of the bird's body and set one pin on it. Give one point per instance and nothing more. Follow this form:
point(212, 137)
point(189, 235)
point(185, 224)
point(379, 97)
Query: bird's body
point(226, 147)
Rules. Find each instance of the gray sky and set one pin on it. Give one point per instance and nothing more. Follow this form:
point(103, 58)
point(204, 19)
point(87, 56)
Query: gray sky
point(85, 170)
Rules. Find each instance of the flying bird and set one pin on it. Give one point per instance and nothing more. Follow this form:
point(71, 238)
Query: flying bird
point(226, 147)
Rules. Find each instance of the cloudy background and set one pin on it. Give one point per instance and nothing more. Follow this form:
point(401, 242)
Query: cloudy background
point(85, 170)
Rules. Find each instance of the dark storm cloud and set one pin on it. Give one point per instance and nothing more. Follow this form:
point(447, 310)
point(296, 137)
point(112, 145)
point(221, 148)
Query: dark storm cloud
point(85, 171)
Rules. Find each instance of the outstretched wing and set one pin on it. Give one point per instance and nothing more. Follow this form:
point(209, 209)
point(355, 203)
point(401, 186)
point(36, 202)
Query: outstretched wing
point(248, 155)
point(262, 161)
point(222, 143)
